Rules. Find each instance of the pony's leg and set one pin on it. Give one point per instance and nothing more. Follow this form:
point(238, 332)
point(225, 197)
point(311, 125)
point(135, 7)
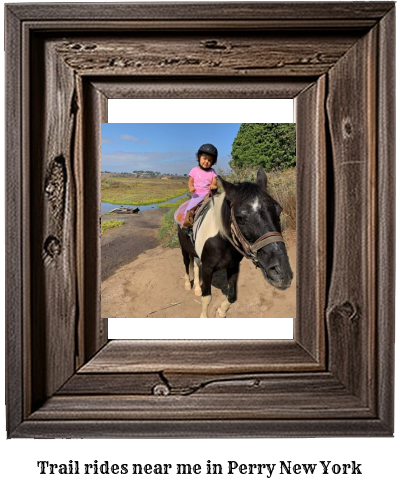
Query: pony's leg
point(191, 268)
point(187, 263)
point(206, 289)
point(197, 287)
point(205, 303)
point(232, 276)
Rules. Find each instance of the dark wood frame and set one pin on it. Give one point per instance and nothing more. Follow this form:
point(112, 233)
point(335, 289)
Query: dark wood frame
point(64, 379)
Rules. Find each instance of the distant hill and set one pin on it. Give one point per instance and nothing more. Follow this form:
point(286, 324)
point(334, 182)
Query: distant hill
point(143, 175)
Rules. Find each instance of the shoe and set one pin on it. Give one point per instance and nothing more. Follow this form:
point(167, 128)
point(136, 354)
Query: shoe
point(188, 231)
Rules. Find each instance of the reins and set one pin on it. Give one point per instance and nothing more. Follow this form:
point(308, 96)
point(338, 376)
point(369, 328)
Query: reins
point(240, 243)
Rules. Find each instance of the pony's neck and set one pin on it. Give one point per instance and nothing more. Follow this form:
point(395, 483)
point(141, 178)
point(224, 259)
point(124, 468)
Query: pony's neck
point(224, 215)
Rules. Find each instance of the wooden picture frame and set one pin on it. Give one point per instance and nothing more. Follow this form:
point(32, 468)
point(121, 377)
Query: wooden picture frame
point(64, 378)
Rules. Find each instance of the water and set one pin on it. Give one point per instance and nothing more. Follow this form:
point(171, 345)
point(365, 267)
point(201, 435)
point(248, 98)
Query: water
point(107, 207)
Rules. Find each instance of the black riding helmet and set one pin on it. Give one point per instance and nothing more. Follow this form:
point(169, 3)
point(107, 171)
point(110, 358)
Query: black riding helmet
point(208, 149)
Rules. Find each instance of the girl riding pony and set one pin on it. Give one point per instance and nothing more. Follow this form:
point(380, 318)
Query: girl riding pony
point(202, 180)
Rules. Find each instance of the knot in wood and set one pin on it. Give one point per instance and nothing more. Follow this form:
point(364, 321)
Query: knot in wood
point(346, 311)
point(349, 310)
point(347, 128)
point(50, 188)
point(213, 44)
point(52, 246)
point(161, 390)
point(90, 47)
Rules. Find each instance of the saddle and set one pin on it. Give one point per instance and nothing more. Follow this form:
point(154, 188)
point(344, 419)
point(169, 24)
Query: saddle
point(196, 217)
point(193, 214)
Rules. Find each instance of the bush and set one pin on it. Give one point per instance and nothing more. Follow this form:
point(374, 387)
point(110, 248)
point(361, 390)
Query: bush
point(268, 145)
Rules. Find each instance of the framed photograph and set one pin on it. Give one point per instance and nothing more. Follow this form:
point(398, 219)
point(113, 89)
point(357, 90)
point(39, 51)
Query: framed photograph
point(145, 179)
point(65, 378)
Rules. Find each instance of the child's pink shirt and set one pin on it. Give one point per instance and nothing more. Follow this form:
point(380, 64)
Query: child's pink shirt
point(202, 179)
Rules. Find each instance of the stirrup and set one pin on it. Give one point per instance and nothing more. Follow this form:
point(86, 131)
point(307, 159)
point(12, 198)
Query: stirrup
point(187, 230)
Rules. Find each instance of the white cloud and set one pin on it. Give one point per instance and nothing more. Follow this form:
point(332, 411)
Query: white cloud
point(106, 140)
point(133, 138)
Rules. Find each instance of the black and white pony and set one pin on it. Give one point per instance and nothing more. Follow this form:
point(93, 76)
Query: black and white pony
point(243, 221)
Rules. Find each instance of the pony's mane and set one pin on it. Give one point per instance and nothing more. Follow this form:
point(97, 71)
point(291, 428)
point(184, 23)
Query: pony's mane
point(243, 192)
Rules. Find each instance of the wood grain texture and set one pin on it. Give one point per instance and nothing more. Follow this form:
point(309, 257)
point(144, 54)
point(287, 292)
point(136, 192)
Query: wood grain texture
point(352, 126)
point(200, 356)
point(65, 62)
point(385, 224)
point(277, 396)
point(311, 218)
point(15, 259)
point(277, 11)
point(190, 428)
point(185, 384)
point(219, 54)
point(196, 87)
point(53, 247)
point(95, 331)
point(205, 407)
point(113, 384)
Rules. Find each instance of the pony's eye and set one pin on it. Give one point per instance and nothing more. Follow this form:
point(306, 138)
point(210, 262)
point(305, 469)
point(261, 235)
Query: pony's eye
point(240, 220)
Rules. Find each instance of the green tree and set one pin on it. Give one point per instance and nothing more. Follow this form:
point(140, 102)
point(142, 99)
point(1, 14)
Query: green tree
point(267, 145)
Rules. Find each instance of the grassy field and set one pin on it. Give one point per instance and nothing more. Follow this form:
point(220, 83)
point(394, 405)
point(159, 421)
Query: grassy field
point(134, 191)
point(167, 233)
point(110, 224)
point(282, 186)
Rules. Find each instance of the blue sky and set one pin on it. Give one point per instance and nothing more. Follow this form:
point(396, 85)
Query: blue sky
point(163, 147)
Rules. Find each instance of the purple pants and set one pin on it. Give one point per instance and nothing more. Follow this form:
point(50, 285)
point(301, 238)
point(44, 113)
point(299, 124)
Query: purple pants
point(181, 212)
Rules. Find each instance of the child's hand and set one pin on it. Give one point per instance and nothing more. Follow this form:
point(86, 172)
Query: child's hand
point(191, 185)
point(213, 186)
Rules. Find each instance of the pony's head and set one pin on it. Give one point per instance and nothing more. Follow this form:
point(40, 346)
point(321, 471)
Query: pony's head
point(258, 214)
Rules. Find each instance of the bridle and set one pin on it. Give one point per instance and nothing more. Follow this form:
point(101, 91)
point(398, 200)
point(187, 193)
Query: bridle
point(248, 250)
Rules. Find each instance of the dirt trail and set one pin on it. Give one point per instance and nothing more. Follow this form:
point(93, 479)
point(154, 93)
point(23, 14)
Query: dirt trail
point(142, 279)
point(124, 244)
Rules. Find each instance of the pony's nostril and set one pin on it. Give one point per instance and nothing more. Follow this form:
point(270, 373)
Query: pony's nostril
point(275, 272)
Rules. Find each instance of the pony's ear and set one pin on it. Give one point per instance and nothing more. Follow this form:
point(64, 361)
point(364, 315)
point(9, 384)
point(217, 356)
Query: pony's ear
point(229, 189)
point(261, 179)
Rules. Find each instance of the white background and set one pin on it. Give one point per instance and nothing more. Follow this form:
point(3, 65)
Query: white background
point(378, 456)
